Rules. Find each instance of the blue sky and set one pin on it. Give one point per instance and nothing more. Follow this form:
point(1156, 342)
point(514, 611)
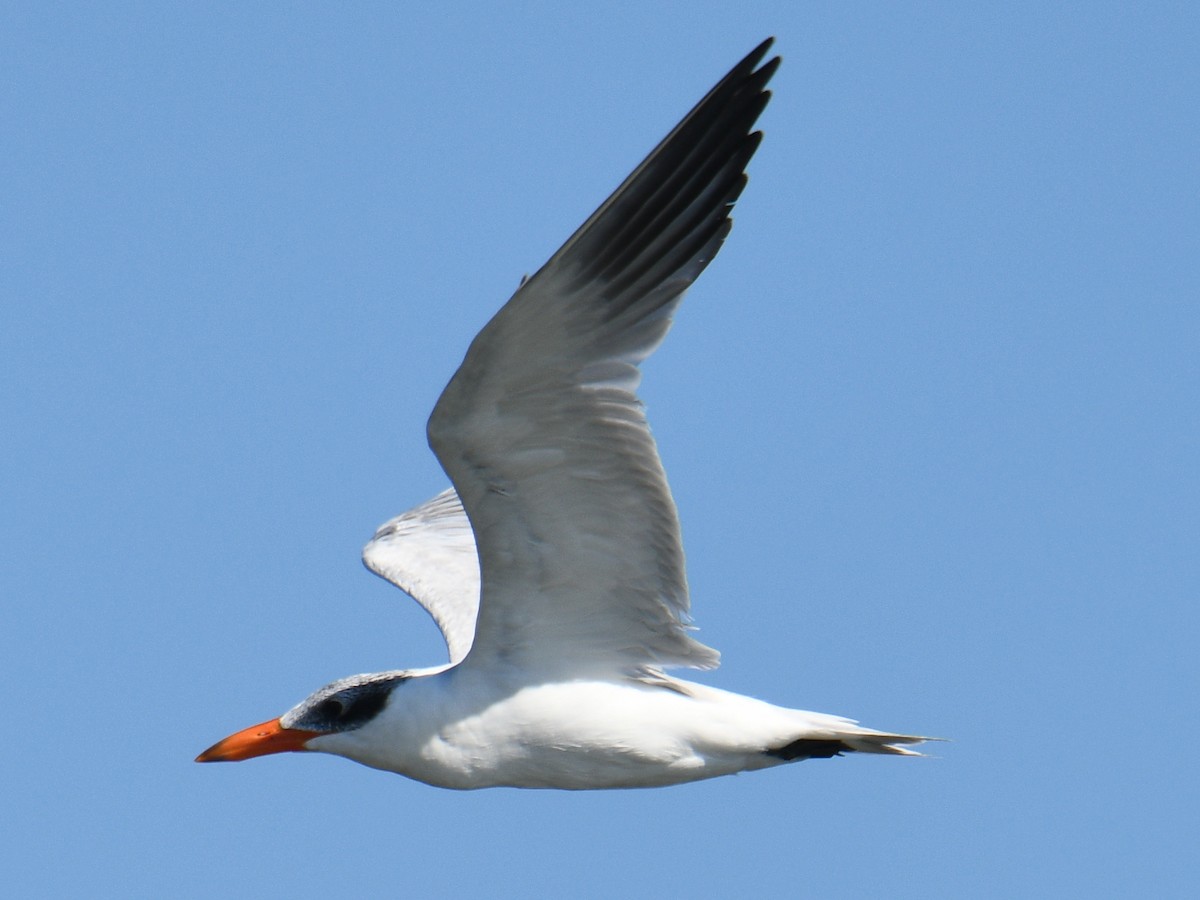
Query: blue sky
point(931, 420)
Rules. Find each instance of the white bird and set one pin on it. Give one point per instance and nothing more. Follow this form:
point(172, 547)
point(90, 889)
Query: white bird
point(558, 579)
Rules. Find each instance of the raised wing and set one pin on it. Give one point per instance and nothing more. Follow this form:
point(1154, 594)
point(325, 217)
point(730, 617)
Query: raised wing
point(429, 552)
point(544, 438)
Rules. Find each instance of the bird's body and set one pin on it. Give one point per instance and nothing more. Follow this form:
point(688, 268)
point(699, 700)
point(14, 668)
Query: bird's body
point(462, 728)
point(554, 567)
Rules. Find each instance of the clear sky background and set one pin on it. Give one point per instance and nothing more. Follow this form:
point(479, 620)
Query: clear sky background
point(931, 419)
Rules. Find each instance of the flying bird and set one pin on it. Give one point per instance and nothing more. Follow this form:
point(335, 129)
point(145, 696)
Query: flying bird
point(554, 566)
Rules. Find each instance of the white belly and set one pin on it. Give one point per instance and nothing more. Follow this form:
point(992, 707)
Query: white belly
point(568, 735)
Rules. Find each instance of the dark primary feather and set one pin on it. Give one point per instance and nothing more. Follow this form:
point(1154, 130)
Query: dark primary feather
point(678, 200)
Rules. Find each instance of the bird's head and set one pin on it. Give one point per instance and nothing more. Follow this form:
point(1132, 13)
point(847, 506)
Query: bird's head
point(335, 709)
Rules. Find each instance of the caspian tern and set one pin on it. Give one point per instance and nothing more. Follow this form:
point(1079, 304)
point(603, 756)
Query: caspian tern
point(554, 566)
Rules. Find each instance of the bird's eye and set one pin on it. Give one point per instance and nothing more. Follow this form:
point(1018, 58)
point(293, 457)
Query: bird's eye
point(331, 708)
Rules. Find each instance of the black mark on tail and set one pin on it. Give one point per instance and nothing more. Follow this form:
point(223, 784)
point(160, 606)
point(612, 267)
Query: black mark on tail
point(809, 748)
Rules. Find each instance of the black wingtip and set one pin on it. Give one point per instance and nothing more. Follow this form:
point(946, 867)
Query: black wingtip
point(748, 69)
point(668, 210)
point(753, 57)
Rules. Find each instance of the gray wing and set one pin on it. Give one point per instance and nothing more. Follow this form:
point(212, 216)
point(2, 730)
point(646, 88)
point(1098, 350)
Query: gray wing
point(544, 438)
point(429, 552)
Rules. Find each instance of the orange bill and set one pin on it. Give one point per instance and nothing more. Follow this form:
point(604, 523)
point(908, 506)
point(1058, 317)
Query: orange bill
point(257, 740)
